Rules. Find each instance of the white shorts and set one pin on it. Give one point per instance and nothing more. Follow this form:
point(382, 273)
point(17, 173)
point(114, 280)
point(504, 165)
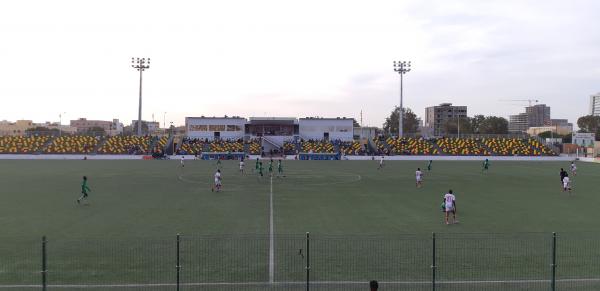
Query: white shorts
point(565, 185)
point(418, 180)
point(449, 208)
point(217, 182)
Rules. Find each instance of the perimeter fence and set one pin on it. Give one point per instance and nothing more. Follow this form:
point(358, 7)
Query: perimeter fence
point(523, 261)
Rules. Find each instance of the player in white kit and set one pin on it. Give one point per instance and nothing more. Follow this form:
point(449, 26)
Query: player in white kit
point(450, 206)
point(242, 166)
point(567, 183)
point(380, 163)
point(182, 161)
point(419, 177)
point(573, 169)
point(217, 185)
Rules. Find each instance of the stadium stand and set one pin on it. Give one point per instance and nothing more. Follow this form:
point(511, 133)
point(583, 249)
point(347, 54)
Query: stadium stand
point(133, 145)
point(517, 147)
point(351, 148)
point(462, 147)
point(22, 144)
point(540, 149)
point(160, 144)
point(407, 146)
point(76, 144)
point(290, 148)
point(314, 146)
point(192, 146)
point(254, 147)
point(222, 146)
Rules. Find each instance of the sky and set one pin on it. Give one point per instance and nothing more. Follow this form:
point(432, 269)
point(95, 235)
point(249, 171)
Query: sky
point(294, 58)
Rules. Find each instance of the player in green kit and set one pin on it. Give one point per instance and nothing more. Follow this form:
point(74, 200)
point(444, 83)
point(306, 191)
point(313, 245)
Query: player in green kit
point(260, 169)
point(279, 169)
point(271, 168)
point(84, 190)
point(429, 165)
point(218, 163)
point(486, 165)
point(256, 166)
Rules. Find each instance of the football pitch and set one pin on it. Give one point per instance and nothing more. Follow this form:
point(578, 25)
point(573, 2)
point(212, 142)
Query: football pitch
point(364, 224)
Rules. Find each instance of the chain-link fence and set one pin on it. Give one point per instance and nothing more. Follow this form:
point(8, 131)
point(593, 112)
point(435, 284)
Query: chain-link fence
point(524, 261)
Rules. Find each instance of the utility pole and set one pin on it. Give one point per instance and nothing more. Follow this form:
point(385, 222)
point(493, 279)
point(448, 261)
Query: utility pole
point(141, 65)
point(401, 68)
point(361, 122)
point(60, 115)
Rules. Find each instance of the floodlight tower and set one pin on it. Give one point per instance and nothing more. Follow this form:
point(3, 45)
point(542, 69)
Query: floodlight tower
point(401, 67)
point(141, 65)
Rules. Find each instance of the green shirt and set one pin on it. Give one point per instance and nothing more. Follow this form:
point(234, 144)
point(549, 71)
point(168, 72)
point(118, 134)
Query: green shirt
point(84, 187)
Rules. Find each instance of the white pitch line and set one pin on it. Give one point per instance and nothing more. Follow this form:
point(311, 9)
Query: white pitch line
point(299, 283)
point(271, 238)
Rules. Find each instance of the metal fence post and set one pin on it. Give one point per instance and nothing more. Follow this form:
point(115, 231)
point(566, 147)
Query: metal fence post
point(433, 266)
point(553, 261)
point(178, 264)
point(307, 261)
point(44, 267)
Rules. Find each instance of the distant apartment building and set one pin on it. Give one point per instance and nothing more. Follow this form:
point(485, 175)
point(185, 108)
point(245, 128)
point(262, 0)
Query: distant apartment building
point(437, 116)
point(559, 122)
point(535, 116)
point(20, 127)
point(84, 125)
point(153, 126)
point(518, 123)
point(538, 115)
point(595, 104)
point(14, 128)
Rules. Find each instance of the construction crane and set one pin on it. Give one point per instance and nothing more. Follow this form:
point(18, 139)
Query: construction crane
point(521, 100)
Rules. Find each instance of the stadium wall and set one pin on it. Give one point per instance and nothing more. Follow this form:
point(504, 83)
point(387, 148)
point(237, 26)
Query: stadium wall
point(590, 160)
point(461, 158)
point(205, 127)
point(293, 157)
point(447, 158)
point(70, 157)
point(315, 128)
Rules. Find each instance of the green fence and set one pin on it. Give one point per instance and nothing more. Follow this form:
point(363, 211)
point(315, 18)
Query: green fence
point(524, 261)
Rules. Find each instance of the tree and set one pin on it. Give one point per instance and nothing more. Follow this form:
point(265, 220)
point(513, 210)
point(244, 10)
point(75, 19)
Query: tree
point(476, 122)
point(452, 125)
point(589, 123)
point(410, 121)
point(493, 125)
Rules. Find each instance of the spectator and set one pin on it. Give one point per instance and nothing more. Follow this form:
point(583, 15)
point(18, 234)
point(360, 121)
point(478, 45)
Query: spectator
point(374, 285)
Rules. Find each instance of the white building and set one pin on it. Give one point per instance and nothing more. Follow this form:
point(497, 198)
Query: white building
point(326, 128)
point(215, 127)
point(595, 104)
point(584, 139)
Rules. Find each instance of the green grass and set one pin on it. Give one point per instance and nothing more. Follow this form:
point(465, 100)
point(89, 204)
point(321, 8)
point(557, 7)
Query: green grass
point(365, 223)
